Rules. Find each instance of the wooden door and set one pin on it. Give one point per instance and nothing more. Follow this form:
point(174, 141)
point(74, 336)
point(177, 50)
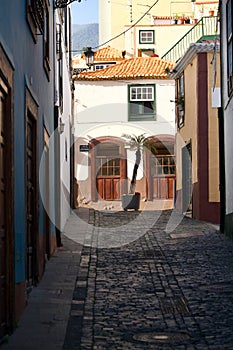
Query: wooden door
point(6, 212)
point(186, 178)
point(108, 178)
point(3, 235)
point(163, 175)
point(31, 186)
point(108, 188)
point(108, 165)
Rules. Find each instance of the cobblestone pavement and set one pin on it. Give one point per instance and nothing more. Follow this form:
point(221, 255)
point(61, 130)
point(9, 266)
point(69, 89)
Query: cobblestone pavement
point(162, 291)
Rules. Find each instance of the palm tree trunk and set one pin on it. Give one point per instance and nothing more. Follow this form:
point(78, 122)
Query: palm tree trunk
point(135, 171)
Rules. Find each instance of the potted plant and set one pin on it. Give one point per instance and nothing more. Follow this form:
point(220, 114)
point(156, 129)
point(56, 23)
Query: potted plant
point(180, 102)
point(137, 143)
point(181, 20)
point(211, 13)
point(187, 20)
point(175, 18)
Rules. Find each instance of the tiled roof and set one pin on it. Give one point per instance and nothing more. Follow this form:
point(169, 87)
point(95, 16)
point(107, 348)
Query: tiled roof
point(107, 53)
point(78, 60)
point(132, 68)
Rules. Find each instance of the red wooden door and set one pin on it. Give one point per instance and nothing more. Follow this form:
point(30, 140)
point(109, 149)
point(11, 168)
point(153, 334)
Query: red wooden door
point(163, 187)
point(163, 176)
point(108, 188)
point(108, 165)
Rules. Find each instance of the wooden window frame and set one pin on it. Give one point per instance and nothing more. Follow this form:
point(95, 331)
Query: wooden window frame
point(38, 18)
point(47, 39)
point(140, 101)
point(161, 167)
point(180, 101)
point(147, 41)
point(109, 164)
point(35, 17)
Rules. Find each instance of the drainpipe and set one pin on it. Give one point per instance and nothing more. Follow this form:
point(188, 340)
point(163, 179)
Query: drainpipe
point(221, 168)
point(221, 145)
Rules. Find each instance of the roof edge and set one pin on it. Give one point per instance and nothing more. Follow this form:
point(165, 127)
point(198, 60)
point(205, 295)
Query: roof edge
point(191, 52)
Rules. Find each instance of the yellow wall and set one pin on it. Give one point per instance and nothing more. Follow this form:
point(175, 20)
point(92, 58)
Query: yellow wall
point(189, 130)
point(114, 15)
point(120, 16)
point(214, 194)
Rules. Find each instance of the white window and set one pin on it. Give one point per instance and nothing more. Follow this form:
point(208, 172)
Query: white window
point(146, 37)
point(142, 102)
point(102, 66)
point(144, 93)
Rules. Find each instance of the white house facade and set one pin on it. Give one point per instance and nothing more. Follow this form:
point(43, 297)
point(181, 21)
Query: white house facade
point(115, 15)
point(146, 40)
point(227, 109)
point(63, 110)
point(134, 97)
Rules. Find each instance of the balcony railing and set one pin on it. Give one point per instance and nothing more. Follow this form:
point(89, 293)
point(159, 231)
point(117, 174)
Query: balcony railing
point(206, 28)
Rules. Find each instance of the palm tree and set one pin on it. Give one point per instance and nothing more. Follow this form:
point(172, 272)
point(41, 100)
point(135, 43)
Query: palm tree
point(138, 143)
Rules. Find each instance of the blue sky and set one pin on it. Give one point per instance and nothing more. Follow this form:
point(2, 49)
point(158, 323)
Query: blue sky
point(85, 12)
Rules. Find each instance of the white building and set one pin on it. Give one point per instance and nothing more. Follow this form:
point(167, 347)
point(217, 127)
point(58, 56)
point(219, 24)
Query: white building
point(132, 97)
point(226, 120)
point(63, 111)
point(115, 15)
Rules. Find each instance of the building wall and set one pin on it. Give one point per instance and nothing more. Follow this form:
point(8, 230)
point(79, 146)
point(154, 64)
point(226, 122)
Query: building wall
point(213, 135)
point(26, 58)
point(189, 130)
point(227, 107)
point(64, 106)
point(160, 45)
point(101, 110)
point(113, 16)
point(201, 128)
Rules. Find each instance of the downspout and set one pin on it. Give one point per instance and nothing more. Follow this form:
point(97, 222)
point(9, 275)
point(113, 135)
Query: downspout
point(222, 185)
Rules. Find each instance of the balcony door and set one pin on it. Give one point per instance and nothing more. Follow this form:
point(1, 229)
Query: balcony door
point(6, 212)
point(31, 193)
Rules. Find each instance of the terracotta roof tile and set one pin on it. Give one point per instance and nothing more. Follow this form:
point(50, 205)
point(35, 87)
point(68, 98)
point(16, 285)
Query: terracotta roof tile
point(133, 68)
point(107, 53)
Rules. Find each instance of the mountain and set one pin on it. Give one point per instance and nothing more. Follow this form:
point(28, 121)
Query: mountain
point(85, 35)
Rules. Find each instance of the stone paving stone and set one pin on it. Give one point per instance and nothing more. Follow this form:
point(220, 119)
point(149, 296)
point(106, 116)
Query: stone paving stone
point(160, 291)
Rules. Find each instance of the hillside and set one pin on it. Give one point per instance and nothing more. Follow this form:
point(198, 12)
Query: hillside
point(84, 35)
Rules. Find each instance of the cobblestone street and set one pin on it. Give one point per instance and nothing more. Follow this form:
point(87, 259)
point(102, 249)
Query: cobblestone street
point(164, 290)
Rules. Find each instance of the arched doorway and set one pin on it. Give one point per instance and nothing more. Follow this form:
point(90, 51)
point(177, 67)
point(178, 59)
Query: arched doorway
point(108, 168)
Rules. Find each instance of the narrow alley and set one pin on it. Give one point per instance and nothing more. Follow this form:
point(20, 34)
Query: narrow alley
point(162, 290)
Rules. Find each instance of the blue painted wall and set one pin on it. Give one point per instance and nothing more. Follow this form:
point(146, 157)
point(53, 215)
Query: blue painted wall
point(27, 60)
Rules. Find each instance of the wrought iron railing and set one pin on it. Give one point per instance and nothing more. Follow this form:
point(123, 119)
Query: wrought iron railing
point(205, 28)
